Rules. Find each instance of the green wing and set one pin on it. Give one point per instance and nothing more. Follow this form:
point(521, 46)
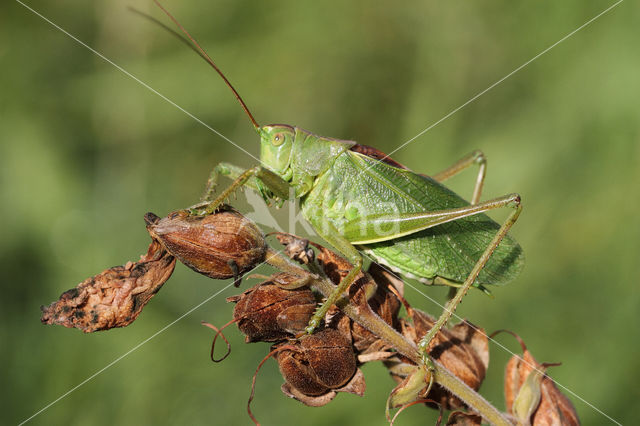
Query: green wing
point(357, 184)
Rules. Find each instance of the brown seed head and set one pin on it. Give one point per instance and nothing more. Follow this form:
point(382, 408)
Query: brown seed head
point(268, 313)
point(318, 364)
point(220, 245)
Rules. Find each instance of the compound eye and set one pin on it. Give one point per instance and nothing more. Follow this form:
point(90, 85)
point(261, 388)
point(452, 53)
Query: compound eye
point(278, 139)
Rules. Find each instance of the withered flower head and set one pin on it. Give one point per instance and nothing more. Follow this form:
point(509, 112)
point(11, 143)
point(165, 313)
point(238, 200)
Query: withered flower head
point(530, 394)
point(268, 313)
point(319, 365)
point(115, 297)
point(221, 245)
point(462, 349)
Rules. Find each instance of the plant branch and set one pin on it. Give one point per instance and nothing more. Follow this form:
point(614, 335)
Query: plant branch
point(372, 322)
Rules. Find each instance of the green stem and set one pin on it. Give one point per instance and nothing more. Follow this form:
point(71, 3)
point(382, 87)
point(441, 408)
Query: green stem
point(372, 322)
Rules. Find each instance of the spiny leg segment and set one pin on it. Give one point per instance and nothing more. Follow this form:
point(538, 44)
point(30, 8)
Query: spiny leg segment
point(512, 201)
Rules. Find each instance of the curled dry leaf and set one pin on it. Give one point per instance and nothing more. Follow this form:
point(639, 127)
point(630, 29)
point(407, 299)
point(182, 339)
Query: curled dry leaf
point(530, 394)
point(462, 349)
point(221, 245)
point(319, 364)
point(268, 313)
point(115, 297)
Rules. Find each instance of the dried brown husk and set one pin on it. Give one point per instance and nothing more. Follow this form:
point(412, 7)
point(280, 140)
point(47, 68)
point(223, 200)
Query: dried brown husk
point(383, 303)
point(269, 313)
point(532, 395)
point(459, 418)
point(115, 297)
point(318, 365)
point(221, 245)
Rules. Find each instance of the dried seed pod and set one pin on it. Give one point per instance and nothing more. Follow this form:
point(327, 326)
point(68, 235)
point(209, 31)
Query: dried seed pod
point(531, 396)
point(221, 245)
point(330, 356)
point(368, 295)
point(268, 313)
point(355, 386)
point(115, 297)
point(462, 349)
point(386, 305)
point(364, 292)
point(320, 364)
point(459, 418)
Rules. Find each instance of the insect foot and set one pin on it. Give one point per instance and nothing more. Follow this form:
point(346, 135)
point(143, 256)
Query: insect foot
point(221, 245)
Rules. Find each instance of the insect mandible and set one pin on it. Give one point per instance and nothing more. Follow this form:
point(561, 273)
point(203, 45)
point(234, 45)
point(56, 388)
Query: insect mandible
point(361, 202)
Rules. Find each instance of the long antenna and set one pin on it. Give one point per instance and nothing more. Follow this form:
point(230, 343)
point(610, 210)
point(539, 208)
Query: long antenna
point(168, 29)
point(210, 61)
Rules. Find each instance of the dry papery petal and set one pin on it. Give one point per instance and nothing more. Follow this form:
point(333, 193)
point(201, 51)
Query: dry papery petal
point(531, 396)
point(319, 364)
point(462, 349)
point(221, 245)
point(115, 297)
point(269, 313)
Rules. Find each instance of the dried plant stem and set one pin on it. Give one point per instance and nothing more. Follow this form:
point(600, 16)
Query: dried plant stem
point(372, 322)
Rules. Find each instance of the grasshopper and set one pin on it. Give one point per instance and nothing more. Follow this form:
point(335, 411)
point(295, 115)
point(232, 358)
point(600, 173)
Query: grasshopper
point(363, 203)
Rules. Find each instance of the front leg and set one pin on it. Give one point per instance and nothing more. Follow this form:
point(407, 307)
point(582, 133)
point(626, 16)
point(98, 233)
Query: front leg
point(228, 170)
point(267, 183)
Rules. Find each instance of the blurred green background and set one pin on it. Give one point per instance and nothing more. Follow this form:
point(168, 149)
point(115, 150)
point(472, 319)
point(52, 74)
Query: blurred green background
point(85, 151)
